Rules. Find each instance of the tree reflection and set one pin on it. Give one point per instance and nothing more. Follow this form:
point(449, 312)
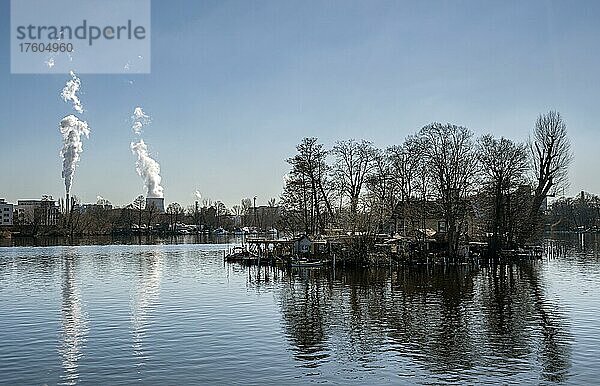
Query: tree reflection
point(506, 298)
point(555, 348)
point(450, 321)
point(307, 308)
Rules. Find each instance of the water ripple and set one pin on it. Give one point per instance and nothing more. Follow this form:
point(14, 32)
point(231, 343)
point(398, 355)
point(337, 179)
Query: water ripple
point(176, 314)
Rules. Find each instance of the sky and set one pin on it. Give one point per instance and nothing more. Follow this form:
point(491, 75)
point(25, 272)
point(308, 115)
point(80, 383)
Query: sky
point(236, 85)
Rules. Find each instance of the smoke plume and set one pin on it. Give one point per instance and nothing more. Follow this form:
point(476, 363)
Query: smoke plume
point(69, 92)
point(71, 129)
point(148, 169)
point(198, 195)
point(140, 119)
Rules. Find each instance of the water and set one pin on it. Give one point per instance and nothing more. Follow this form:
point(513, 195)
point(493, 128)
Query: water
point(176, 314)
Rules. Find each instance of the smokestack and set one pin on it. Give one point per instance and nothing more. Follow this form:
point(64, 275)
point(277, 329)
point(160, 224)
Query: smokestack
point(72, 129)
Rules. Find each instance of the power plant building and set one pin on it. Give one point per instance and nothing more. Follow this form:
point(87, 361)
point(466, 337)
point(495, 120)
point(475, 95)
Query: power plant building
point(157, 202)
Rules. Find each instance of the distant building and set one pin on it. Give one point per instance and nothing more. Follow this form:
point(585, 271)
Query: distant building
point(157, 202)
point(264, 217)
point(37, 212)
point(416, 217)
point(6, 213)
point(83, 208)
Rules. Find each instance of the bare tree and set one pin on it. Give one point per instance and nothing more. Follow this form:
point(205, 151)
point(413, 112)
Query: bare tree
point(296, 200)
point(353, 163)
point(174, 211)
point(246, 205)
point(139, 204)
point(449, 152)
point(550, 156)
point(503, 167)
point(246, 209)
point(307, 182)
point(580, 213)
point(151, 212)
point(272, 212)
point(236, 210)
point(381, 188)
point(220, 211)
point(405, 162)
point(410, 176)
point(207, 202)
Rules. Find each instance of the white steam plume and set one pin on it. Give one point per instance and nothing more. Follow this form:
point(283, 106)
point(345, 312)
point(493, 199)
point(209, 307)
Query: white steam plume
point(140, 119)
point(148, 169)
point(198, 195)
point(71, 129)
point(69, 92)
point(137, 128)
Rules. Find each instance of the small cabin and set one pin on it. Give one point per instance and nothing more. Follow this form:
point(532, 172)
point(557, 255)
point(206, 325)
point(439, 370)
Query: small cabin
point(320, 247)
point(303, 245)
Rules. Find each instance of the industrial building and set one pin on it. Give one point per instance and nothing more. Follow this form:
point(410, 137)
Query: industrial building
point(157, 202)
point(37, 212)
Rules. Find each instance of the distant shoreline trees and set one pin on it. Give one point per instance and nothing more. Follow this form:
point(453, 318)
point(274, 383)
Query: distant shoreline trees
point(440, 177)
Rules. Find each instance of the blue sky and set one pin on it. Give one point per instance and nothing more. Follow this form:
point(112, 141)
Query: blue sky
point(235, 85)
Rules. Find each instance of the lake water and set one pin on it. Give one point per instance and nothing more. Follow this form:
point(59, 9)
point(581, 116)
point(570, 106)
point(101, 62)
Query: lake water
point(176, 314)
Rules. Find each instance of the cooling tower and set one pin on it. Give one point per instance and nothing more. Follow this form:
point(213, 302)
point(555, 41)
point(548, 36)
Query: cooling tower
point(157, 202)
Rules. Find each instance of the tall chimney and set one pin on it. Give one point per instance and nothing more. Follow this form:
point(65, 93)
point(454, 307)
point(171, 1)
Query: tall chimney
point(68, 204)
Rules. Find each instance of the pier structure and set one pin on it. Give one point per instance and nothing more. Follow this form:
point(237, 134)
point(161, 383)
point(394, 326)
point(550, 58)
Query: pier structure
point(363, 250)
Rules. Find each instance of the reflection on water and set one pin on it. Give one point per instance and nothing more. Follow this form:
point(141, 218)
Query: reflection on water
point(176, 314)
point(468, 322)
point(144, 299)
point(49, 241)
point(74, 324)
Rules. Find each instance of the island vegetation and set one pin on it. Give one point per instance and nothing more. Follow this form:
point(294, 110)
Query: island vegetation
point(441, 184)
